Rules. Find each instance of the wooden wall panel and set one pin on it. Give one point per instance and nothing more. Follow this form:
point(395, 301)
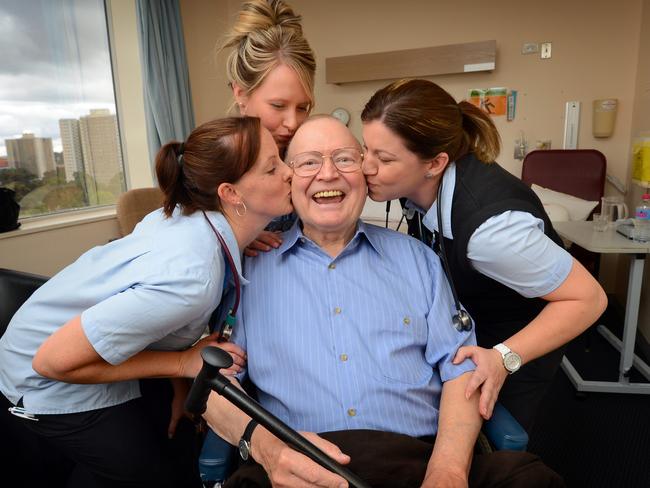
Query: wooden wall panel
point(410, 63)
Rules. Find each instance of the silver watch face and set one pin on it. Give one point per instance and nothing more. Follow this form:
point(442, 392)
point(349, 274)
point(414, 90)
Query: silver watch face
point(244, 449)
point(512, 361)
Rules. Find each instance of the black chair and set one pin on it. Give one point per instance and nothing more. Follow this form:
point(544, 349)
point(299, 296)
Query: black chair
point(15, 288)
point(18, 445)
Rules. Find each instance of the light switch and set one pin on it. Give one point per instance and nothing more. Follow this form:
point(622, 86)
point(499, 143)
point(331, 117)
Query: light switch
point(546, 50)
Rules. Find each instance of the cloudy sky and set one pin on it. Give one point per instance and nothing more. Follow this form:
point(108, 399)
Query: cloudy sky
point(54, 64)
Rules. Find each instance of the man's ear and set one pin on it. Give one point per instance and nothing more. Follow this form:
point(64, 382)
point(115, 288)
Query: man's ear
point(227, 193)
point(437, 165)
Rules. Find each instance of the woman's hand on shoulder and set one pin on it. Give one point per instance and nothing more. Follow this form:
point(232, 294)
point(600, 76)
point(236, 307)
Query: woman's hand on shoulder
point(264, 242)
point(191, 360)
point(489, 375)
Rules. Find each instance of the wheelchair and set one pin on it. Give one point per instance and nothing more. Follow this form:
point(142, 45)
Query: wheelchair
point(218, 459)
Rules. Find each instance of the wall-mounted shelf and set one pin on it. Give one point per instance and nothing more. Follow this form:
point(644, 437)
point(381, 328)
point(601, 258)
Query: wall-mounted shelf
point(409, 63)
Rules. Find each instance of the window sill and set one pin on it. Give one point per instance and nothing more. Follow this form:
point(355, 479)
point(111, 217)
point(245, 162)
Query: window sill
point(66, 219)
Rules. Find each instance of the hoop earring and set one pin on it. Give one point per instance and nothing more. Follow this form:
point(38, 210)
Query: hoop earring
point(428, 175)
point(241, 214)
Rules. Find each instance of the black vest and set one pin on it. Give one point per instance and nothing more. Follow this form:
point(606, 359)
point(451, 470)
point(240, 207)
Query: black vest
point(483, 191)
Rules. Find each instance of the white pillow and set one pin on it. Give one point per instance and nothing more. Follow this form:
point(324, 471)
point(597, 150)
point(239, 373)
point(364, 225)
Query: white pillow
point(578, 208)
point(557, 213)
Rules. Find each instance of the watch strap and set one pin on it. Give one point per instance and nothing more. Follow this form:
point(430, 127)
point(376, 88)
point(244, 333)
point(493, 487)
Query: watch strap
point(248, 431)
point(503, 349)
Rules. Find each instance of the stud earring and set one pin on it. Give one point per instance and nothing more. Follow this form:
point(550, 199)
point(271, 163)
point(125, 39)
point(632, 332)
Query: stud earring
point(428, 175)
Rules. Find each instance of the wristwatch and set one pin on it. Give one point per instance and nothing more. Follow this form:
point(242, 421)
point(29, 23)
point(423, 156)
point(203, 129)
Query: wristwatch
point(511, 360)
point(245, 441)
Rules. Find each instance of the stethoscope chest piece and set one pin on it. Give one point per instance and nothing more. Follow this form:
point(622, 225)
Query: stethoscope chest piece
point(462, 321)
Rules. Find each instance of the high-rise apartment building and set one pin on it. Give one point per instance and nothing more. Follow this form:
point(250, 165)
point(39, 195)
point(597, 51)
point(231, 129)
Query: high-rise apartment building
point(32, 153)
point(72, 153)
point(100, 144)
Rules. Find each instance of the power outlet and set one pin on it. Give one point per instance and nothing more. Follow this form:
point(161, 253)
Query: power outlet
point(530, 48)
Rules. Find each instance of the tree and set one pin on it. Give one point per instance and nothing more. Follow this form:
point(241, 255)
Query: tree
point(20, 180)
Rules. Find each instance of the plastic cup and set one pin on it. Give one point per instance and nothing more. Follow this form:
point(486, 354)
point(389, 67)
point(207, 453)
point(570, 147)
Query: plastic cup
point(600, 222)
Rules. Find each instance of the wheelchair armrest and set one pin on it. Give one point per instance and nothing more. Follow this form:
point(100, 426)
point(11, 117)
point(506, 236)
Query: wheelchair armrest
point(504, 432)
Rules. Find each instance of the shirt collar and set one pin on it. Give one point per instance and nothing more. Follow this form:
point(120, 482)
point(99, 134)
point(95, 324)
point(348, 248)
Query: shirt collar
point(223, 227)
point(294, 235)
point(430, 219)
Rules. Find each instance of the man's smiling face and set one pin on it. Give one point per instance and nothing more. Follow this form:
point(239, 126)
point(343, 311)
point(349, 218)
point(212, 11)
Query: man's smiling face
point(329, 201)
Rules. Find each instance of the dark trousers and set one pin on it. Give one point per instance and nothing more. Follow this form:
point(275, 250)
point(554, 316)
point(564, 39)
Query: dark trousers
point(121, 446)
point(523, 391)
point(387, 460)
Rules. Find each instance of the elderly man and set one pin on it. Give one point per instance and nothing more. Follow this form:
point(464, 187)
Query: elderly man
point(348, 331)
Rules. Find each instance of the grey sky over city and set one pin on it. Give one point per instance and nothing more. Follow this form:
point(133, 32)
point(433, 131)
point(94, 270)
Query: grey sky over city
point(56, 64)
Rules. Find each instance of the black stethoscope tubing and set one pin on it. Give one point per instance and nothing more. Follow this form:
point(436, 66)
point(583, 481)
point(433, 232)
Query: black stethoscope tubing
point(461, 319)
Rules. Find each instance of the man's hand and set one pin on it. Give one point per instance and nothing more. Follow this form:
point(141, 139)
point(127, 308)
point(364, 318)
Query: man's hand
point(264, 242)
point(489, 375)
point(191, 361)
point(287, 468)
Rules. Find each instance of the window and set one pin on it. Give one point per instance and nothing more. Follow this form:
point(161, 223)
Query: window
point(59, 137)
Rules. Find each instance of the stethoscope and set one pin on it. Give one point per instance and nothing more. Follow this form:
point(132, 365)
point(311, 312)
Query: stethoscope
point(461, 319)
point(225, 330)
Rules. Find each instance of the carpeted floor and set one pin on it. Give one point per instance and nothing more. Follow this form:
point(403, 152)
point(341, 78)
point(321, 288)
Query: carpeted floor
point(595, 439)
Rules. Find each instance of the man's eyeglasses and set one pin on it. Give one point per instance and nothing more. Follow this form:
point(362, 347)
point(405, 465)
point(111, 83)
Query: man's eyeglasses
point(345, 159)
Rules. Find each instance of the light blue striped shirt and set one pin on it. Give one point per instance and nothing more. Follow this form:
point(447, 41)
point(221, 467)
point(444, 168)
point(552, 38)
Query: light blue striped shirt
point(510, 247)
point(153, 289)
point(362, 341)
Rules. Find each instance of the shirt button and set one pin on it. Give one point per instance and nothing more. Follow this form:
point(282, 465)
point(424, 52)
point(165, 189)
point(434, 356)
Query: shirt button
point(337, 310)
point(332, 266)
point(344, 357)
point(407, 320)
point(352, 412)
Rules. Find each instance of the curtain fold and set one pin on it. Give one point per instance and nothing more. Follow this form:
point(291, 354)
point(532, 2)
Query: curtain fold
point(168, 100)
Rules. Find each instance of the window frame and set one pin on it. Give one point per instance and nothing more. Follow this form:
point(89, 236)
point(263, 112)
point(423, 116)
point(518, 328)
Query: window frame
point(126, 67)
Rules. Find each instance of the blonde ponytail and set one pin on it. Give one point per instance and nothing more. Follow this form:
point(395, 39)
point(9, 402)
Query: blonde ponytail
point(257, 16)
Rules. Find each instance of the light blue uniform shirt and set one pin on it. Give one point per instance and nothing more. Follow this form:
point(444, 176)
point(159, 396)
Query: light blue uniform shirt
point(153, 289)
point(362, 341)
point(510, 247)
